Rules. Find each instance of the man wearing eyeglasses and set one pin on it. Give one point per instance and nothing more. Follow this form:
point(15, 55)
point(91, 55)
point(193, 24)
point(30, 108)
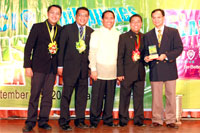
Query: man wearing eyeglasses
point(73, 66)
point(40, 63)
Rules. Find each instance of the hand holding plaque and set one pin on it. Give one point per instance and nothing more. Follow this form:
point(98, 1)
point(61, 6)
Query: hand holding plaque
point(153, 52)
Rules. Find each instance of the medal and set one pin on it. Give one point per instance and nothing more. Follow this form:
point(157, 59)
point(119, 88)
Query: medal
point(80, 45)
point(135, 55)
point(52, 47)
point(136, 52)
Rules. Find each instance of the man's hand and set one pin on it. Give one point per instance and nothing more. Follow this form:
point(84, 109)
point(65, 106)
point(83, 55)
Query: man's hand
point(60, 71)
point(162, 57)
point(147, 59)
point(94, 75)
point(120, 78)
point(28, 72)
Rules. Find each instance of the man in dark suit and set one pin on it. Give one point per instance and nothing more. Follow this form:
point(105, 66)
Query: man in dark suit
point(73, 65)
point(131, 72)
point(163, 71)
point(40, 63)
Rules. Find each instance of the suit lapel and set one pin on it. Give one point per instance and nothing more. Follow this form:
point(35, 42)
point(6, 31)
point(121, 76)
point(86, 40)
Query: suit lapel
point(154, 37)
point(131, 40)
point(164, 38)
point(46, 32)
point(58, 30)
point(75, 33)
point(86, 35)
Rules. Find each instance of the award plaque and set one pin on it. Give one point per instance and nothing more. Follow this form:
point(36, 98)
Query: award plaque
point(153, 52)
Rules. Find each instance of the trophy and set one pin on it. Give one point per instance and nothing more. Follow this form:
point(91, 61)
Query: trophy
point(153, 52)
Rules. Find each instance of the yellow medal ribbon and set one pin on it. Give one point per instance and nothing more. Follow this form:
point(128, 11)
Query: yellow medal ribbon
point(50, 33)
point(53, 45)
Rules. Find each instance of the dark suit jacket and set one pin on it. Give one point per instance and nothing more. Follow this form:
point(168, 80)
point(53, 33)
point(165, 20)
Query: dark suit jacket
point(40, 59)
point(125, 66)
point(74, 64)
point(172, 46)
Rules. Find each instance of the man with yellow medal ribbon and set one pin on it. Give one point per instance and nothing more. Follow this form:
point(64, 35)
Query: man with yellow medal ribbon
point(73, 66)
point(40, 63)
point(131, 72)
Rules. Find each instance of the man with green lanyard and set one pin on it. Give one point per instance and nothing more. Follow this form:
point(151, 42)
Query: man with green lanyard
point(73, 66)
point(40, 63)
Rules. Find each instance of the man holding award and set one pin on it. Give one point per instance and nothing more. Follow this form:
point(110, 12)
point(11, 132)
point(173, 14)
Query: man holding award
point(131, 72)
point(162, 46)
point(73, 66)
point(40, 63)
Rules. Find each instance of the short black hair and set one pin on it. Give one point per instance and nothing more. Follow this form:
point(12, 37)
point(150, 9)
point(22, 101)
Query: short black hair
point(55, 6)
point(135, 15)
point(161, 10)
point(82, 8)
point(106, 12)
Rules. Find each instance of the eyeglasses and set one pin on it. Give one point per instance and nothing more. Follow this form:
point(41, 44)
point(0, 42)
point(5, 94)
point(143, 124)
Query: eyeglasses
point(82, 15)
point(54, 13)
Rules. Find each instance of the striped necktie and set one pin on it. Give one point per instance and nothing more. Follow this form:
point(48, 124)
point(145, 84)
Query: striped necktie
point(81, 31)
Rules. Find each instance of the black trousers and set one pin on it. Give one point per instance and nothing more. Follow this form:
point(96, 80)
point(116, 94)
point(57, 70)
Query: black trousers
point(40, 84)
point(138, 96)
point(81, 92)
point(102, 89)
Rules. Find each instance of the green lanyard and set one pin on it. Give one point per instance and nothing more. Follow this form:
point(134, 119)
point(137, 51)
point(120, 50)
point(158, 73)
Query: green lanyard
point(49, 32)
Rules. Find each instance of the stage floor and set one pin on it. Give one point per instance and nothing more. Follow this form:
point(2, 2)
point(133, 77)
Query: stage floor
point(16, 125)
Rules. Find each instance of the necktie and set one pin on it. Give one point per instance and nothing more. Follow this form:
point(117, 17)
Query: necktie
point(159, 37)
point(52, 32)
point(137, 36)
point(81, 31)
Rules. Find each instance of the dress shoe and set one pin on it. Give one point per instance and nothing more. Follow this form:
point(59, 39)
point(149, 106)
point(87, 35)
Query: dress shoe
point(82, 125)
point(172, 125)
point(66, 127)
point(155, 125)
point(140, 124)
point(93, 126)
point(121, 124)
point(109, 124)
point(27, 128)
point(45, 126)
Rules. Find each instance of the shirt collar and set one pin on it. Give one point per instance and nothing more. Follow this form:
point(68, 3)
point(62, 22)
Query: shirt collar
point(161, 28)
point(80, 26)
point(50, 26)
point(133, 33)
point(106, 29)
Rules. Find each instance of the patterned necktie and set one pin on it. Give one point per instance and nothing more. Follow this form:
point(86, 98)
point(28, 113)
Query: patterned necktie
point(159, 37)
point(52, 32)
point(81, 31)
